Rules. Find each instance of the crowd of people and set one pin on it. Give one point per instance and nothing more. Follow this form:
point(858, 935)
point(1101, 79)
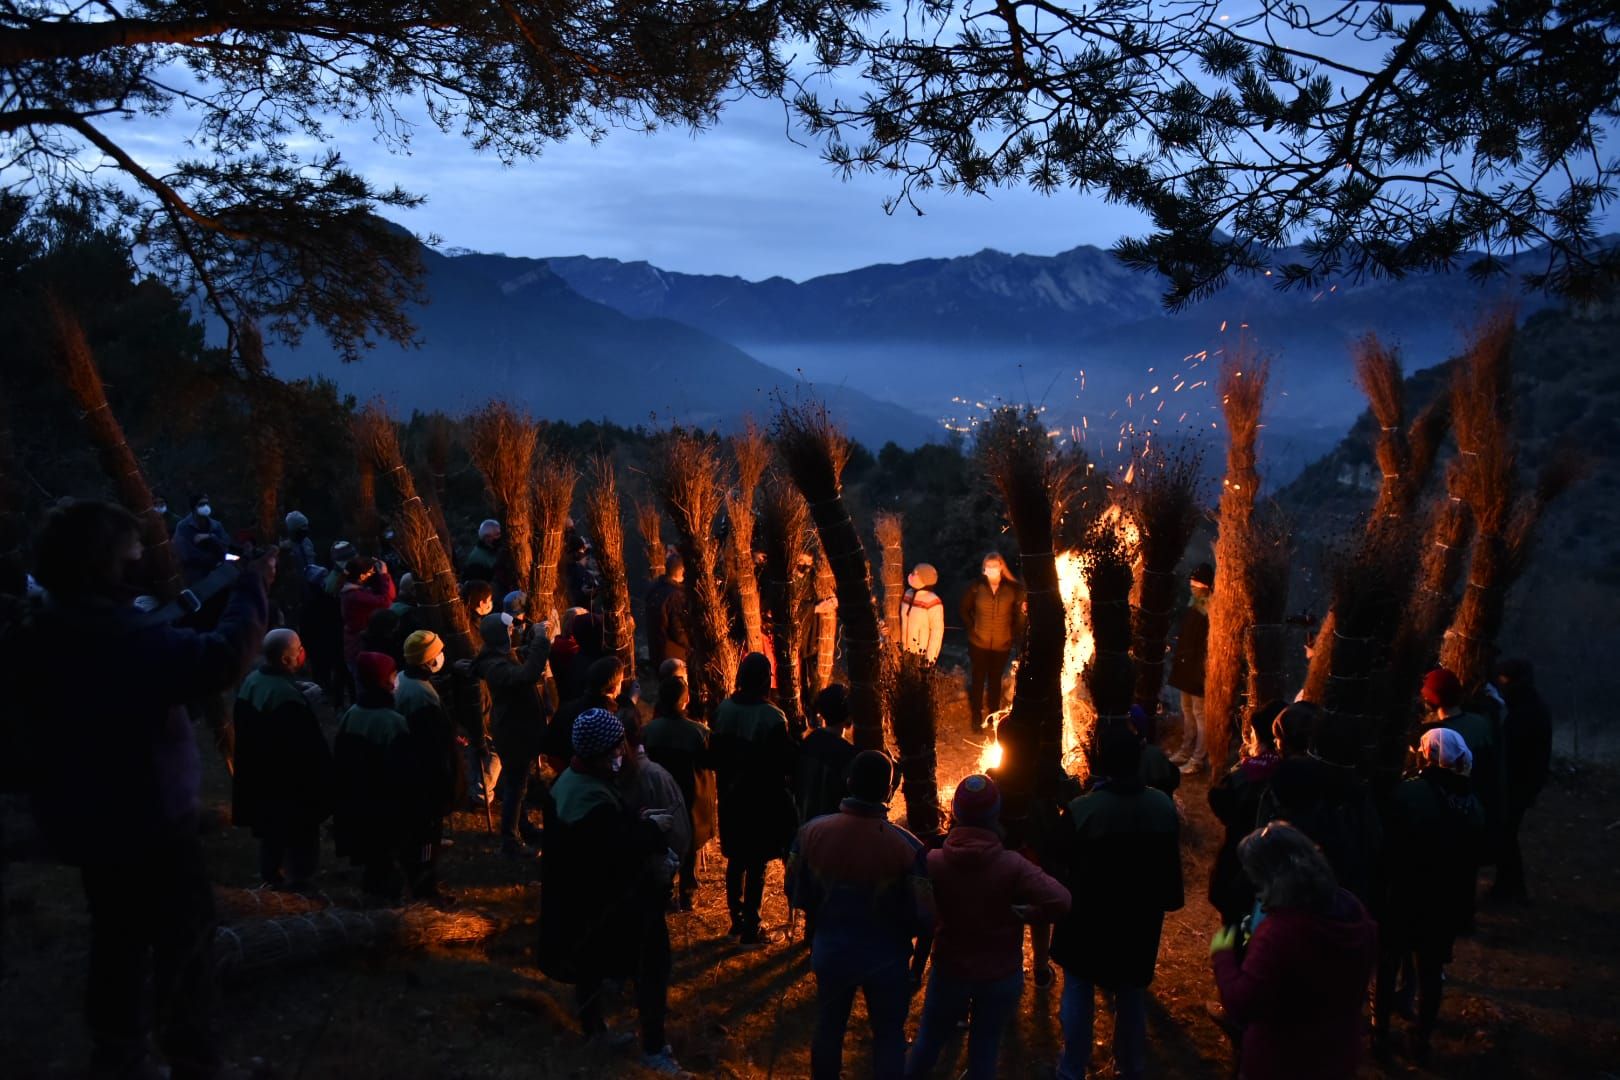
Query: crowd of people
point(1333, 888)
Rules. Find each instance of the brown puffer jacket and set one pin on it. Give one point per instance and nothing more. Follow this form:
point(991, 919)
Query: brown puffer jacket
point(994, 620)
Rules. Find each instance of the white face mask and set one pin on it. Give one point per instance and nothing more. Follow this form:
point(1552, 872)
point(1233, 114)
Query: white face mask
point(162, 508)
point(436, 664)
point(204, 510)
point(992, 574)
point(617, 763)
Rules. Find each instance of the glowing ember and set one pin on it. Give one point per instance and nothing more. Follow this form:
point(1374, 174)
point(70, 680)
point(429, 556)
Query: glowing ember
point(990, 757)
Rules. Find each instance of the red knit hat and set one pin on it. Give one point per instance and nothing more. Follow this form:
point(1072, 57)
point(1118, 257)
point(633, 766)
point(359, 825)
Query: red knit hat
point(977, 802)
point(1441, 689)
point(375, 671)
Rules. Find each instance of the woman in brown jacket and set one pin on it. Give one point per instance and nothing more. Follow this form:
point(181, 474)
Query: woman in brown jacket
point(993, 612)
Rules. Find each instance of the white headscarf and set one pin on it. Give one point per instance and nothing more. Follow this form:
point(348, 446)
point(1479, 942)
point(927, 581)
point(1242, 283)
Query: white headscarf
point(1449, 748)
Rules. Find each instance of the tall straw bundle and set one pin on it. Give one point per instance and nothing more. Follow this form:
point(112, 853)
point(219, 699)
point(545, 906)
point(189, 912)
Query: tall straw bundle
point(503, 445)
point(268, 467)
point(784, 519)
point(815, 452)
point(914, 696)
point(826, 619)
point(1442, 555)
point(1231, 610)
point(888, 528)
point(649, 523)
point(363, 513)
point(76, 365)
point(753, 453)
point(1372, 584)
point(1110, 676)
point(437, 454)
point(554, 480)
point(687, 478)
point(1163, 502)
point(416, 534)
point(1017, 456)
point(1266, 645)
point(603, 519)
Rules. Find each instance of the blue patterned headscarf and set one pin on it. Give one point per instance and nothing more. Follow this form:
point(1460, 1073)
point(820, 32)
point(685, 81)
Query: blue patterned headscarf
point(596, 731)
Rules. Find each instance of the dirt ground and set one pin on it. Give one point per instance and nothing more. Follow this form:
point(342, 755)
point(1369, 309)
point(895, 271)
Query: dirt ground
point(1533, 995)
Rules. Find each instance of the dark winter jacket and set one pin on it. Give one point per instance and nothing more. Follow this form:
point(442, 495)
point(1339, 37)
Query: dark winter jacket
point(1434, 845)
point(862, 883)
point(753, 765)
point(1527, 737)
point(1156, 770)
point(1299, 989)
point(1334, 807)
point(435, 757)
point(666, 621)
point(1123, 867)
point(994, 619)
point(491, 564)
point(1235, 798)
point(592, 881)
point(106, 689)
point(819, 781)
point(517, 706)
point(976, 881)
point(558, 744)
point(1483, 734)
point(282, 782)
point(201, 544)
point(1192, 643)
point(372, 760)
point(681, 746)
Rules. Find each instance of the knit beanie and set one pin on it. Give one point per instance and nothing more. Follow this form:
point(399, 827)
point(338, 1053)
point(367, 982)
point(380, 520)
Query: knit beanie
point(296, 521)
point(925, 575)
point(870, 775)
point(421, 647)
point(375, 671)
point(977, 803)
point(342, 553)
point(1441, 689)
point(596, 731)
point(516, 602)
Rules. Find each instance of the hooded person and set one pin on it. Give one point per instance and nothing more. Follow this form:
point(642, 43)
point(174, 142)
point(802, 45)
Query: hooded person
point(753, 757)
point(1527, 743)
point(681, 746)
point(1235, 799)
point(1433, 847)
point(281, 789)
point(435, 757)
point(593, 881)
point(1122, 855)
point(993, 613)
point(825, 753)
point(517, 720)
point(667, 635)
point(862, 883)
point(1187, 668)
point(922, 614)
point(1298, 987)
point(984, 895)
point(200, 541)
point(371, 756)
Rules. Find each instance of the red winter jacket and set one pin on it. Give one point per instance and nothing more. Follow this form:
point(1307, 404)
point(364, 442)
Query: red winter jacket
point(976, 883)
point(359, 603)
point(1299, 990)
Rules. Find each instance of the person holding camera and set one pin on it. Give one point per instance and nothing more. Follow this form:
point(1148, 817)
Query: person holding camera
point(118, 775)
point(200, 540)
point(367, 589)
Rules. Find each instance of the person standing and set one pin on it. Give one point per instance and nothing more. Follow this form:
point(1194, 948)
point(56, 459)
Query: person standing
point(1436, 834)
point(1299, 985)
point(1528, 745)
point(993, 612)
point(922, 614)
point(296, 566)
point(1187, 669)
point(124, 805)
point(435, 758)
point(490, 561)
point(1235, 799)
point(753, 764)
point(666, 613)
point(984, 896)
point(367, 589)
point(1123, 860)
point(1443, 695)
point(825, 753)
point(282, 786)
point(681, 746)
point(200, 540)
point(371, 759)
point(862, 884)
point(517, 722)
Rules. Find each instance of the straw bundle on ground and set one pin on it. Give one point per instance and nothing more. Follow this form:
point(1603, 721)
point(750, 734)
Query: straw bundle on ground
point(1266, 647)
point(688, 478)
point(604, 521)
point(888, 529)
point(914, 696)
point(1017, 456)
point(554, 480)
point(266, 946)
point(650, 524)
point(503, 445)
point(784, 519)
point(814, 452)
point(77, 366)
point(235, 904)
point(1372, 583)
point(1163, 502)
point(417, 537)
point(1231, 611)
point(753, 453)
